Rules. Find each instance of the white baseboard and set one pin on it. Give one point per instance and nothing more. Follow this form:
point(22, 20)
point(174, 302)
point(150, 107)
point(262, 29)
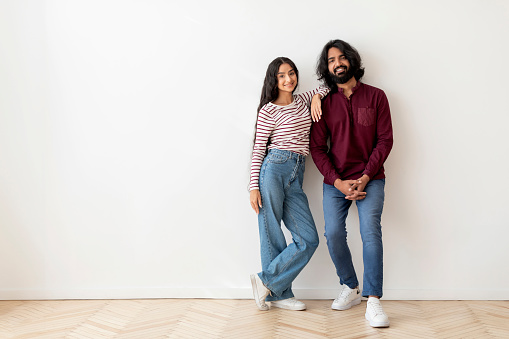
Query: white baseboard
point(236, 293)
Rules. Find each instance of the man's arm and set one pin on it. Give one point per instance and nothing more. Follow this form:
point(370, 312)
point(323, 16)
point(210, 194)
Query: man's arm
point(384, 138)
point(318, 147)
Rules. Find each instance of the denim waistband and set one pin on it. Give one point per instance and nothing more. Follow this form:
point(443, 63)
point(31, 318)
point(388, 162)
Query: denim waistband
point(288, 154)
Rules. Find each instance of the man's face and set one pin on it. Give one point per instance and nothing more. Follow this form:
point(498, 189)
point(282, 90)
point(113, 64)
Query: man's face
point(339, 66)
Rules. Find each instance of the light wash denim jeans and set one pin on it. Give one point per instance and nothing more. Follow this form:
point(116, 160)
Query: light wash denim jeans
point(281, 177)
point(335, 210)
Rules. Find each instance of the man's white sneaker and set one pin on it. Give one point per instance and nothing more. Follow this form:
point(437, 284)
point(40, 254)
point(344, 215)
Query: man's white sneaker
point(260, 292)
point(347, 298)
point(289, 304)
point(375, 313)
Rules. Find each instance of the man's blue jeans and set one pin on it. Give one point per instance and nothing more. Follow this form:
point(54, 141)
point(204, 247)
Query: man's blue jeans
point(335, 210)
point(281, 177)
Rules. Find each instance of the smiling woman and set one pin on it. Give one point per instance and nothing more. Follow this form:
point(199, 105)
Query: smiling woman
point(286, 82)
point(282, 127)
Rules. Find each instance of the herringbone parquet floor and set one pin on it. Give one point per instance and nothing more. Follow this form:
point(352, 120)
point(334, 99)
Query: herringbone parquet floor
point(206, 318)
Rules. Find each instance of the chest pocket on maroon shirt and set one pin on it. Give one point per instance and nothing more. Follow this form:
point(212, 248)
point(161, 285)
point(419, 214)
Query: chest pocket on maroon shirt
point(366, 116)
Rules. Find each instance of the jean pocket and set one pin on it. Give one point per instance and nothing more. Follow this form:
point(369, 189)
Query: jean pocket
point(366, 116)
point(276, 158)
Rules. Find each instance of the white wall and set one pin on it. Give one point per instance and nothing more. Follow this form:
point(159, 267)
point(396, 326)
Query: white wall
point(126, 127)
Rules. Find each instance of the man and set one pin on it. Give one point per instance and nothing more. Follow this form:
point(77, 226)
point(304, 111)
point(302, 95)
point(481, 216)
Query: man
point(357, 123)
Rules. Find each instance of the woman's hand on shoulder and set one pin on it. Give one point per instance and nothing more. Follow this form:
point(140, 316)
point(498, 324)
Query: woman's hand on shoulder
point(316, 107)
point(256, 200)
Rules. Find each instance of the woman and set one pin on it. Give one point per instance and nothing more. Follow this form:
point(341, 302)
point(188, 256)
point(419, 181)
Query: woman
point(276, 194)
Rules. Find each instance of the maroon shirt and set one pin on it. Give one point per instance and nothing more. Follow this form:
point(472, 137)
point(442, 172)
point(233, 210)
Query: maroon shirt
point(360, 132)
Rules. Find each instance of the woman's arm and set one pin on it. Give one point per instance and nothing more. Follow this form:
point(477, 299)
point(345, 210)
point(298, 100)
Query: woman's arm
point(315, 96)
point(307, 96)
point(265, 124)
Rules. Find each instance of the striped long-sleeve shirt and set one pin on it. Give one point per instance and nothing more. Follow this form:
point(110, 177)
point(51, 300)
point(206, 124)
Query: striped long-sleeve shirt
point(282, 127)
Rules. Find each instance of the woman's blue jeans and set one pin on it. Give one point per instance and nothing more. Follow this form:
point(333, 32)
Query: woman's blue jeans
point(281, 177)
point(335, 210)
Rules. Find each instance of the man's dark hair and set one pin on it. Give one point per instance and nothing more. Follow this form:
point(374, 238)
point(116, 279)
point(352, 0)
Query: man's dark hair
point(351, 54)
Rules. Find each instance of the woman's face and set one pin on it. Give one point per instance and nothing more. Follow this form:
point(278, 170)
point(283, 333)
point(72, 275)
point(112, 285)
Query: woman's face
point(286, 78)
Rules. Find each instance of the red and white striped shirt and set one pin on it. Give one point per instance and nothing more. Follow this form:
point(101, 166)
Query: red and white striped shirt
point(282, 127)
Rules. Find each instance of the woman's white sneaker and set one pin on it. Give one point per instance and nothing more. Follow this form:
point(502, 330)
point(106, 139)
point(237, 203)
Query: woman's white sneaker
point(260, 292)
point(375, 313)
point(289, 304)
point(347, 298)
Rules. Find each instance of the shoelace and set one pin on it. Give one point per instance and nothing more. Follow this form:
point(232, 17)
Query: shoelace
point(344, 294)
point(377, 308)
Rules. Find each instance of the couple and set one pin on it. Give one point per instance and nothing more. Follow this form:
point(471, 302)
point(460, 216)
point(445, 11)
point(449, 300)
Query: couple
point(356, 122)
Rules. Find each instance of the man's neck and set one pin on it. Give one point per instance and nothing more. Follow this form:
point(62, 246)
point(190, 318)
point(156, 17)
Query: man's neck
point(348, 86)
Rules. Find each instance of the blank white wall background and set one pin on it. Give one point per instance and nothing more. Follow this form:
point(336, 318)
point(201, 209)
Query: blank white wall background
point(126, 129)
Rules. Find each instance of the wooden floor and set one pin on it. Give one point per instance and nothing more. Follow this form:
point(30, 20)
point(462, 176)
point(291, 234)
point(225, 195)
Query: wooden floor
point(206, 318)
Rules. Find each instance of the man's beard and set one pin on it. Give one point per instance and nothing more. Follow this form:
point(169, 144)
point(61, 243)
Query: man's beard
point(350, 72)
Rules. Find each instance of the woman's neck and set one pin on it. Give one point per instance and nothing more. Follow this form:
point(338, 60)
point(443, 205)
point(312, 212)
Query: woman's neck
point(283, 98)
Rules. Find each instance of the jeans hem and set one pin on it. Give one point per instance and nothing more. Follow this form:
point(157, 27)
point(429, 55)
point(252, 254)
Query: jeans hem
point(354, 285)
point(277, 298)
point(368, 293)
point(275, 277)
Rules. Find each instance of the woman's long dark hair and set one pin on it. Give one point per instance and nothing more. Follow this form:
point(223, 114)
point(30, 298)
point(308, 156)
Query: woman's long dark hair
point(351, 54)
point(270, 91)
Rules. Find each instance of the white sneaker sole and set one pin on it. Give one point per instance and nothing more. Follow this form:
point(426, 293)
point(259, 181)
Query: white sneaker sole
point(354, 302)
point(261, 307)
point(376, 324)
point(286, 307)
